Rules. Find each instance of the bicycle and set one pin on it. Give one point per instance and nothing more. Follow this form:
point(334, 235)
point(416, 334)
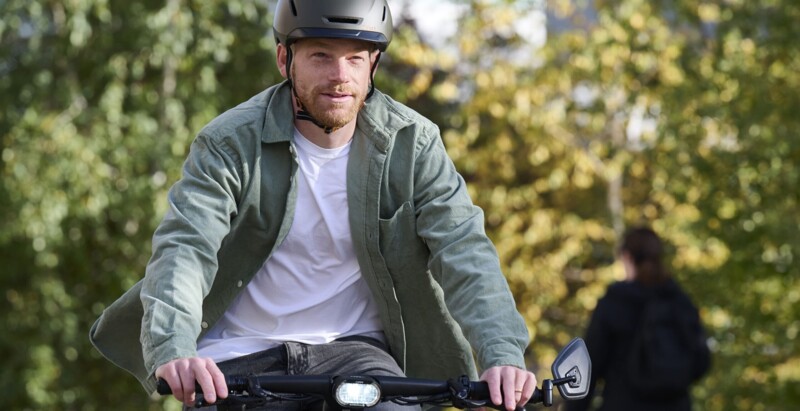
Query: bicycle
point(571, 376)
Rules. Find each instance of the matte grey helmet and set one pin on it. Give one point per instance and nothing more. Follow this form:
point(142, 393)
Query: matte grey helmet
point(367, 20)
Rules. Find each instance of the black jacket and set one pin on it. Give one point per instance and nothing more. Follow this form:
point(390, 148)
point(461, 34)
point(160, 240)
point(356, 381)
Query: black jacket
point(609, 339)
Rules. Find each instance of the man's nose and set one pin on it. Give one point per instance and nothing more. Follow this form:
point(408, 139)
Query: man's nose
point(339, 71)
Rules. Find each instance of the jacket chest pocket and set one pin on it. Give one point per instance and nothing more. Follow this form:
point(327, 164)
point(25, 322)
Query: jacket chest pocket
point(402, 249)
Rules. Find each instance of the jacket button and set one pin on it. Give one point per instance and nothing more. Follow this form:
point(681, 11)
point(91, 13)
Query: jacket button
point(239, 283)
point(204, 324)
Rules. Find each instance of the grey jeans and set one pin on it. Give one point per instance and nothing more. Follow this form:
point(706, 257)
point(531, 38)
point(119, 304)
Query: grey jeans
point(348, 356)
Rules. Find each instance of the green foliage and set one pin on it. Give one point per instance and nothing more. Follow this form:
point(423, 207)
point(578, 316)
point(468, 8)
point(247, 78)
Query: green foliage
point(101, 101)
point(676, 115)
point(680, 115)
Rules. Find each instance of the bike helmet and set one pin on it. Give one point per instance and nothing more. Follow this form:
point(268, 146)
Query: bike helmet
point(367, 20)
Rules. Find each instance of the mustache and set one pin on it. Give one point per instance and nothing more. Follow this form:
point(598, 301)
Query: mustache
point(335, 89)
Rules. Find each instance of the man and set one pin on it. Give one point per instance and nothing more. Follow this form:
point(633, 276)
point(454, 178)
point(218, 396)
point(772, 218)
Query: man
point(320, 228)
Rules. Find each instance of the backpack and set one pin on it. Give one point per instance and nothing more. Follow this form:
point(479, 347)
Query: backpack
point(661, 363)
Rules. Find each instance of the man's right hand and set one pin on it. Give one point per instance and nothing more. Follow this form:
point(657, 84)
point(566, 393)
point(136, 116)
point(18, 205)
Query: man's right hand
point(181, 375)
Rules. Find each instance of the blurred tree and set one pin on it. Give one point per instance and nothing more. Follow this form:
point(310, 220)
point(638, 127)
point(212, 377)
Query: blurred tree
point(677, 115)
point(100, 101)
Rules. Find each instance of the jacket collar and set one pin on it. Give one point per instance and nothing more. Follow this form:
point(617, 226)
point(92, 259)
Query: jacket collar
point(380, 120)
point(279, 117)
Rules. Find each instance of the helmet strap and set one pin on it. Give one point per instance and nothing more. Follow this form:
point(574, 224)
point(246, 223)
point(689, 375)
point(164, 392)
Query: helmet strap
point(303, 114)
point(372, 76)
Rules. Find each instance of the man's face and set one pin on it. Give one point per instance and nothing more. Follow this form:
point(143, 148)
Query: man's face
point(331, 78)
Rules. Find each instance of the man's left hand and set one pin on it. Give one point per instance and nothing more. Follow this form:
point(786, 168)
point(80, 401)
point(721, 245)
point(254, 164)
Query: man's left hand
point(509, 385)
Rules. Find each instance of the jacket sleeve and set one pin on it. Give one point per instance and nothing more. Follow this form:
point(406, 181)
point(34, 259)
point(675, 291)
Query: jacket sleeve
point(185, 245)
point(463, 259)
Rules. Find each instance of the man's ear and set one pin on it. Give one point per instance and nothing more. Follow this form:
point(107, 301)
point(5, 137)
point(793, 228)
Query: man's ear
point(282, 55)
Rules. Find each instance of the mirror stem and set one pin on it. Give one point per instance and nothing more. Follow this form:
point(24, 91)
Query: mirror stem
point(565, 380)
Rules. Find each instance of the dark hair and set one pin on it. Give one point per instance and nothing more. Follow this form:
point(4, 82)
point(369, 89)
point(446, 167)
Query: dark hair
point(646, 252)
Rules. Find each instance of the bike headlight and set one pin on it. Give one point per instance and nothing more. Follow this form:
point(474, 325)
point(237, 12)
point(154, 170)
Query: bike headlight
point(356, 392)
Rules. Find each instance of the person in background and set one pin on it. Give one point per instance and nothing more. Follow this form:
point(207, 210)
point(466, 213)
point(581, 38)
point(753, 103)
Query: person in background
point(320, 228)
point(645, 338)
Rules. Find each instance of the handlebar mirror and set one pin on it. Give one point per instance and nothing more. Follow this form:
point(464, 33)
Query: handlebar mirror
point(574, 367)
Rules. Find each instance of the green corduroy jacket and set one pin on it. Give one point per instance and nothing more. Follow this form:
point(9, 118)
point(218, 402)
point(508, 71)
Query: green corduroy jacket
point(419, 240)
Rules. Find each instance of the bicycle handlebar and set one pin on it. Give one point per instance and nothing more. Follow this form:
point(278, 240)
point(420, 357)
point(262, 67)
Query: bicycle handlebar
point(460, 391)
point(572, 370)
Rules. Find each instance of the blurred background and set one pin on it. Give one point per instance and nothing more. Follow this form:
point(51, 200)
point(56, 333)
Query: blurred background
point(570, 120)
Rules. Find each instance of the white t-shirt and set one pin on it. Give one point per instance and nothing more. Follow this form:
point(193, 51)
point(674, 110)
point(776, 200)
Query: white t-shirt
point(311, 289)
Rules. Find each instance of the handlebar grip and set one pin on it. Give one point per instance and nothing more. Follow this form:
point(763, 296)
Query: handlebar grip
point(480, 390)
point(537, 397)
point(162, 387)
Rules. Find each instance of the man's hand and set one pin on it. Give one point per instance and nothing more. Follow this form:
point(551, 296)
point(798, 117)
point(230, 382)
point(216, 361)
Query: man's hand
point(509, 385)
point(181, 375)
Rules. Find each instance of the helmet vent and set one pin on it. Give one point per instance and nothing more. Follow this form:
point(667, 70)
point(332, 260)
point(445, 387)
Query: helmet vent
point(294, 8)
point(384, 14)
point(343, 20)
